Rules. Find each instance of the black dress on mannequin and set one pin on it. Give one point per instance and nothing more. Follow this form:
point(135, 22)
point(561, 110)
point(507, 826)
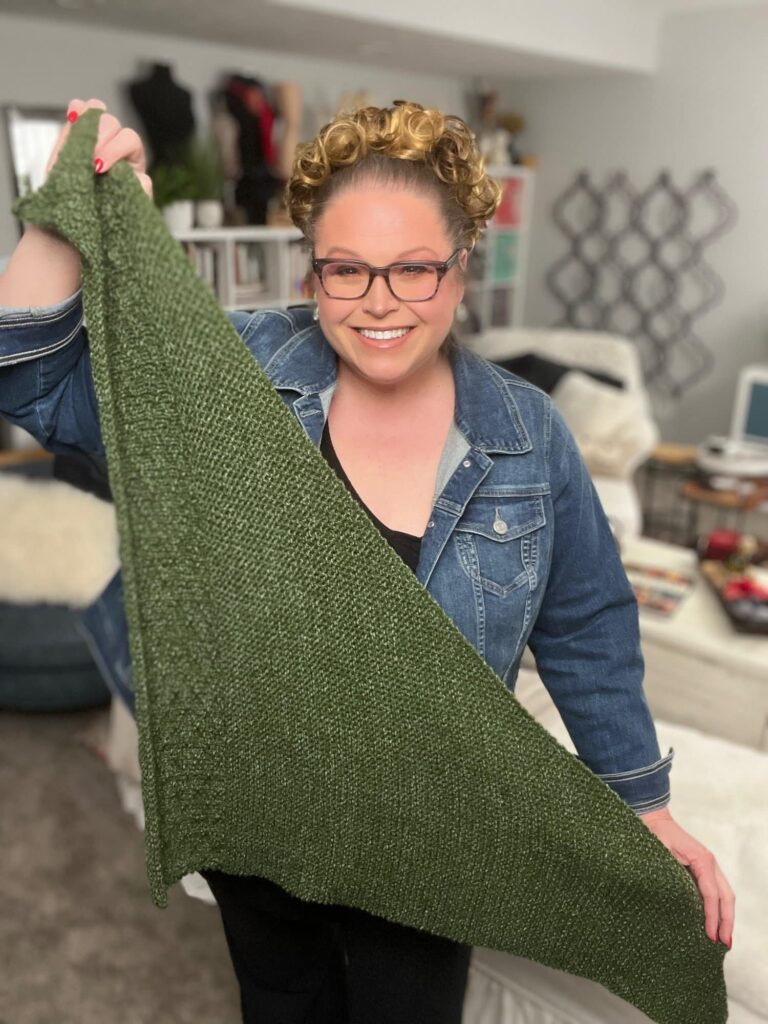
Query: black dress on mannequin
point(165, 109)
point(247, 101)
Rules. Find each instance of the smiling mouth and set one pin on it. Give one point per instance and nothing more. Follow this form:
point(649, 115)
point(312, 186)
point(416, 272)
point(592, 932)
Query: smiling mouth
point(390, 337)
point(405, 327)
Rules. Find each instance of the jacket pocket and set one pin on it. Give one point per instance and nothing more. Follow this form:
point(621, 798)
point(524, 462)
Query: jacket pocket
point(497, 538)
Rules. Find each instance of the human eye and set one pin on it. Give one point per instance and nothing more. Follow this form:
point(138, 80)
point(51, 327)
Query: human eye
point(414, 269)
point(343, 269)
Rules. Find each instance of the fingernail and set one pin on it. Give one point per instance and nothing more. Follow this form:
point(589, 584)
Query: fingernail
point(98, 163)
point(72, 115)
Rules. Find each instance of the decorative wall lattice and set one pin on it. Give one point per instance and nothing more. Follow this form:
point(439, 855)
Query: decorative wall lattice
point(635, 267)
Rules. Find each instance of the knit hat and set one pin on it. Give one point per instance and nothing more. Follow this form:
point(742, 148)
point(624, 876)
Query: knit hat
point(306, 710)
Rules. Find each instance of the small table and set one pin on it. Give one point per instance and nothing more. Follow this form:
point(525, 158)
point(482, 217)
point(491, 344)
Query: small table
point(735, 502)
point(668, 461)
point(699, 671)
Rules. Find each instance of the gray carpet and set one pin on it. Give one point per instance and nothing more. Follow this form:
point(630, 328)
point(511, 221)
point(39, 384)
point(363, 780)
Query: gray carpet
point(80, 940)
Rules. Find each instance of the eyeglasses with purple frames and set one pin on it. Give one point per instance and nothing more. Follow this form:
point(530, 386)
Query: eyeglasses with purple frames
point(416, 280)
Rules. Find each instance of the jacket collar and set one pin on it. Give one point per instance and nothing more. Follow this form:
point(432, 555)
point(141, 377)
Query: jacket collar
point(486, 412)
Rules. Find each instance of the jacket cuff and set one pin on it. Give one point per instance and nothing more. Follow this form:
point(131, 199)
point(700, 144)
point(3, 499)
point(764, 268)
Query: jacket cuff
point(32, 332)
point(646, 788)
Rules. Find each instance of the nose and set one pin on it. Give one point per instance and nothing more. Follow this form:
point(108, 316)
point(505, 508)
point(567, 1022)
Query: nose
point(379, 301)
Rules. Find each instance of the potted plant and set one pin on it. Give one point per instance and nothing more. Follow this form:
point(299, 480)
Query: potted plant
point(174, 194)
point(204, 163)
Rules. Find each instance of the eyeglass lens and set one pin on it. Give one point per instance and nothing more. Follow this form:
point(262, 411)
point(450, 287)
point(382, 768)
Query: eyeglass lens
point(349, 281)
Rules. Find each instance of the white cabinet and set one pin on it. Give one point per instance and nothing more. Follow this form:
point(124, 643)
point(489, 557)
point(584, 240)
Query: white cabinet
point(495, 288)
point(698, 671)
point(249, 267)
point(257, 266)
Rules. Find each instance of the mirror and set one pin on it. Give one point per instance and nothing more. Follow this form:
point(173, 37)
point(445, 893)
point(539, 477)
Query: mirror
point(31, 134)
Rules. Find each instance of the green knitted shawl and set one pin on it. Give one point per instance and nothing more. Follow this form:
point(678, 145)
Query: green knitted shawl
point(306, 710)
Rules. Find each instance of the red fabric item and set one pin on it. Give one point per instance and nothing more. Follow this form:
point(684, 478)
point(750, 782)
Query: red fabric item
point(744, 586)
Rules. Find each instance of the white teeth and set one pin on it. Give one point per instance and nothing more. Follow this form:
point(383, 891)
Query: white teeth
point(382, 335)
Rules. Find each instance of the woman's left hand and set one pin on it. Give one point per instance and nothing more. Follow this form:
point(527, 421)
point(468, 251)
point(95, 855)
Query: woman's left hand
point(719, 898)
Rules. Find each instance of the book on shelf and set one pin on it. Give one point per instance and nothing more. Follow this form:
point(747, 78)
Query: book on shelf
point(658, 589)
point(203, 259)
point(509, 212)
point(250, 268)
point(505, 249)
point(298, 265)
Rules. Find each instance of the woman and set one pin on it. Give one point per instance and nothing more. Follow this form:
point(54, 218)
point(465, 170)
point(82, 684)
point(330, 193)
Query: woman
point(392, 201)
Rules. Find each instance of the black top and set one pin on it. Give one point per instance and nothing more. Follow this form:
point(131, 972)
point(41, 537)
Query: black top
point(407, 545)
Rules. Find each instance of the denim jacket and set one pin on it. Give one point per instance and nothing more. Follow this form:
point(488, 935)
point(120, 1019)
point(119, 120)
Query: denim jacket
point(517, 551)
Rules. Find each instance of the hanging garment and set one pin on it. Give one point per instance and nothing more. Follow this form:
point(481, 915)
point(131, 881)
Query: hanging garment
point(300, 719)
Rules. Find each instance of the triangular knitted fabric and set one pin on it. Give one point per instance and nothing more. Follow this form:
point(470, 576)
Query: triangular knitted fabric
point(306, 710)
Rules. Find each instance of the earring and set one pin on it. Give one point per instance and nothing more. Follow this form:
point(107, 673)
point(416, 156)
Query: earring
point(316, 314)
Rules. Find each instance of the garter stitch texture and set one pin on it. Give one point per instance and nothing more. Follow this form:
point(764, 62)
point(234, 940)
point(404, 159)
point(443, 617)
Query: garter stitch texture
point(306, 710)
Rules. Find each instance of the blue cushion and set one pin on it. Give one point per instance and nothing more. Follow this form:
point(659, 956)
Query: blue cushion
point(45, 664)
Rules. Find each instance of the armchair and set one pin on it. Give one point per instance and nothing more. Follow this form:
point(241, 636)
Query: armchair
point(613, 425)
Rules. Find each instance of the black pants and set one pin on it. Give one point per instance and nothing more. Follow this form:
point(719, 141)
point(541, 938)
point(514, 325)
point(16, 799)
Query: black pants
point(299, 962)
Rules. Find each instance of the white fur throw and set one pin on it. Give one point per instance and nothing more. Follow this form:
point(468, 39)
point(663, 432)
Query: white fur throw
point(58, 544)
point(612, 426)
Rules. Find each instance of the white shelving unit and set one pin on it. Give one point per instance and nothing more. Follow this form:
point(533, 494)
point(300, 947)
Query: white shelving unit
point(254, 267)
point(495, 287)
point(248, 267)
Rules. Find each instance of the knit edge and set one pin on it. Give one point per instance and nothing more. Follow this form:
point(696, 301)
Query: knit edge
point(41, 208)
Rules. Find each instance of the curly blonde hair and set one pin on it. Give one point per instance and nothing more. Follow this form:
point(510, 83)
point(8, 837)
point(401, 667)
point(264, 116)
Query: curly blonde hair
point(405, 145)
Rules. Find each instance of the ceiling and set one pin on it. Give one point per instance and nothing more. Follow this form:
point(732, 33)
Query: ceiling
point(262, 25)
point(667, 6)
point(364, 37)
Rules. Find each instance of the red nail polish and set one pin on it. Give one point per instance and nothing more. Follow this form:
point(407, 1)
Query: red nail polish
point(98, 163)
point(72, 115)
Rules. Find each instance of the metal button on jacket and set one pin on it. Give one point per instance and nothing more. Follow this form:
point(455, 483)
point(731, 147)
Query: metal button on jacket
point(498, 524)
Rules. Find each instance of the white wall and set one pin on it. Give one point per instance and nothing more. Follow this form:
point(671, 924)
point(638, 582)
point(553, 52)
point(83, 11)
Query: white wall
point(50, 62)
point(706, 107)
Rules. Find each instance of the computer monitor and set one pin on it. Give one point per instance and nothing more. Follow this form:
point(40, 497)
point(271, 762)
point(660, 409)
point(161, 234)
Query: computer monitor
point(749, 422)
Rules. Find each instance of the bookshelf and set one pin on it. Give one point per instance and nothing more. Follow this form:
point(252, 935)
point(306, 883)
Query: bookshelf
point(248, 267)
point(263, 266)
point(495, 288)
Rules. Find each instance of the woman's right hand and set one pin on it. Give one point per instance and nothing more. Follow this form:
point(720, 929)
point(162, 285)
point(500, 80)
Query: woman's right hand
point(113, 143)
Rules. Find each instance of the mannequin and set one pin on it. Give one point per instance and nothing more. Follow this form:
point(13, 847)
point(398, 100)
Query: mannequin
point(165, 109)
point(247, 102)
